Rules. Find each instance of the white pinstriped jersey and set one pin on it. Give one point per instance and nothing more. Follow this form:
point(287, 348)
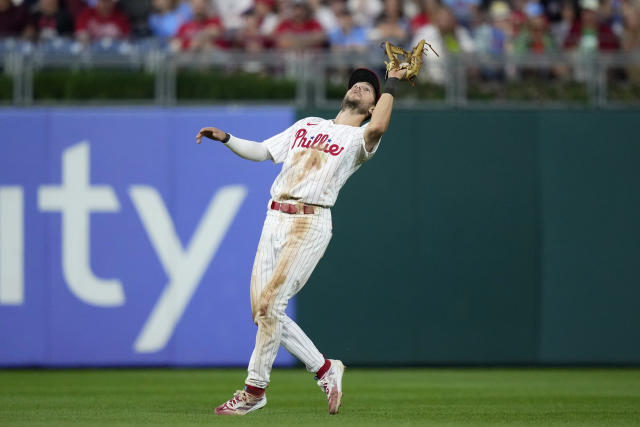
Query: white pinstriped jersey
point(319, 156)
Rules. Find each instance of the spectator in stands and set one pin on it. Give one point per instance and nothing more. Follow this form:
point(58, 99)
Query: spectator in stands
point(612, 12)
point(631, 27)
point(535, 37)
point(423, 17)
point(267, 19)
point(631, 37)
point(553, 10)
point(326, 13)
point(365, 12)
point(447, 37)
point(465, 11)
point(138, 12)
point(518, 15)
point(103, 21)
point(249, 38)
point(231, 12)
point(168, 17)
point(589, 33)
point(13, 19)
point(301, 31)
point(493, 38)
point(48, 21)
point(561, 28)
point(391, 25)
point(203, 33)
point(348, 37)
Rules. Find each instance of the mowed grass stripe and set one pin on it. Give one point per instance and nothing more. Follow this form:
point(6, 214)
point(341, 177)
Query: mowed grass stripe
point(373, 397)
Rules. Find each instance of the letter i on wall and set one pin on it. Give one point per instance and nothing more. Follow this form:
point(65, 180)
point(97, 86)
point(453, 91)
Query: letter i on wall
point(11, 245)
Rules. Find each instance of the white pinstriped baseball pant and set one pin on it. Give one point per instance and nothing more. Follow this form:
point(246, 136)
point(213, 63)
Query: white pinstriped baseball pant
point(290, 247)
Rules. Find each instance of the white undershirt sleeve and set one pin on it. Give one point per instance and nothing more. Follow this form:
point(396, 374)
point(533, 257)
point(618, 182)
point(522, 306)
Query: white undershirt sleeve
point(249, 150)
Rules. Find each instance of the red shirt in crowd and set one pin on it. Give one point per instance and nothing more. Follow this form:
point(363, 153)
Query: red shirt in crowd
point(607, 39)
point(290, 30)
point(116, 25)
point(190, 29)
point(420, 20)
point(289, 26)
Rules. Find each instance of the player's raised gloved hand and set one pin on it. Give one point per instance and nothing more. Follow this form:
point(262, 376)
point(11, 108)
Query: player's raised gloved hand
point(400, 59)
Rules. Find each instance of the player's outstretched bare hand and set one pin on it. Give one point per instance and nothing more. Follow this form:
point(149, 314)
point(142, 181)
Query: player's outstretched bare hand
point(211, 133)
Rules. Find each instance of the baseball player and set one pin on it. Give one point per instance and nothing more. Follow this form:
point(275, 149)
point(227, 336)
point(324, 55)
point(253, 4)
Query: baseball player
point(318, 157)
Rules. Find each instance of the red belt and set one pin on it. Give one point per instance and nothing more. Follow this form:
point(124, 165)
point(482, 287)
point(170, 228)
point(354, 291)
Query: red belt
point(291, 209)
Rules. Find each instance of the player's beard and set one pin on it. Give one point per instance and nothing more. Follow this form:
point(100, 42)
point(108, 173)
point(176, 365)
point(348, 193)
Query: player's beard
point(355, 104)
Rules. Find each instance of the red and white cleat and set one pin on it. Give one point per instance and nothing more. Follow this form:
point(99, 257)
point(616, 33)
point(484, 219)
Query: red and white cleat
point(331, 383)
point(241, 403)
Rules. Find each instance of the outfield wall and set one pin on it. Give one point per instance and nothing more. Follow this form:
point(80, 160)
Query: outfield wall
point(122, 242)
point(486, 237)
point(471, 238)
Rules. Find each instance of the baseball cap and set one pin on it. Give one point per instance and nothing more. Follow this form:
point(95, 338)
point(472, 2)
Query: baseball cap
point(533, 9)
point(499, 10)
point(365, 75)
point(589, 5)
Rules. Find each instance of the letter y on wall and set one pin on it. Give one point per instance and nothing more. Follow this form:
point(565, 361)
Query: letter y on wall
point(185, 268)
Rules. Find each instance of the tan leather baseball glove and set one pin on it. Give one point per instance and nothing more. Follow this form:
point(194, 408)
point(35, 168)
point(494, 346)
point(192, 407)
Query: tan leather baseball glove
point(400, 59)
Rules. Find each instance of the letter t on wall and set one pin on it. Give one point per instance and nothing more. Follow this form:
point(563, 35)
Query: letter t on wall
point(76, 199)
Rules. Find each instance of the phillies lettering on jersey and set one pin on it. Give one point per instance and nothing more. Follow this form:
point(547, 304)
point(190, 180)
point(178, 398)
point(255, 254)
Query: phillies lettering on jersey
point(318, 157)
point(318, 142)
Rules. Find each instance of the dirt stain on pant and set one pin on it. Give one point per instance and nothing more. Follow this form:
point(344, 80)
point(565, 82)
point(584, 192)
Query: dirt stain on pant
point(302, 163)
point(262, 308)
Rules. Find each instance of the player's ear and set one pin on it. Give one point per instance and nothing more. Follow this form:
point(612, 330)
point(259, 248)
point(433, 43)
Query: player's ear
point(373, 107)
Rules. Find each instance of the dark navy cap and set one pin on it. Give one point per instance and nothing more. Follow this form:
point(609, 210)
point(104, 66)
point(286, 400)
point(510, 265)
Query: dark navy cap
point(366, 75)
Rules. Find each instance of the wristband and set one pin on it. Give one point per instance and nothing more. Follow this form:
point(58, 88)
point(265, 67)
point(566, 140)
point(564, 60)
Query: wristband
point(391, 85)
point(226, 138)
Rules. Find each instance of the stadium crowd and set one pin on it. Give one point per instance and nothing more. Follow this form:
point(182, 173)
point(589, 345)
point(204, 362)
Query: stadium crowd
point(485, 27)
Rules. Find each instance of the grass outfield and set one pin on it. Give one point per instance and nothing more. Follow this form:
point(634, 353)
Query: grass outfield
point(434, 397)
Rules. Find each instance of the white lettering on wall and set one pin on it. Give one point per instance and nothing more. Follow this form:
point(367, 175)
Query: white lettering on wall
point(11, 245)
point(76, 199)
point(184, 268)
